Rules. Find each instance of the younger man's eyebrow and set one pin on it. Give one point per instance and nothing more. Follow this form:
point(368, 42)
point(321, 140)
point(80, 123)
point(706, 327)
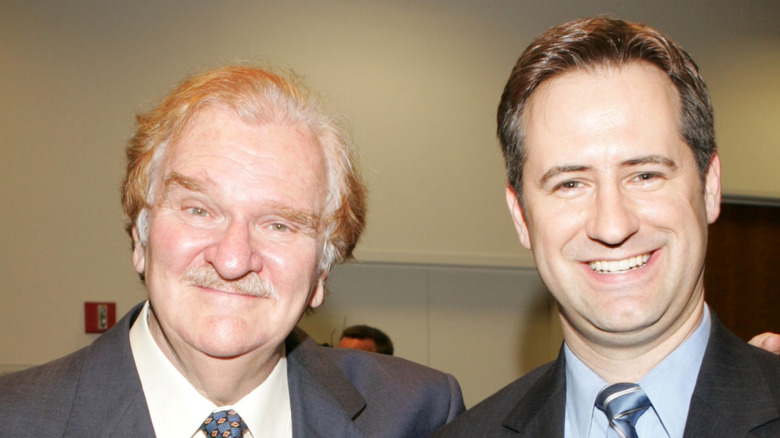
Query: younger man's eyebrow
point(651, 159)
point(557, 170)
point(647, 159)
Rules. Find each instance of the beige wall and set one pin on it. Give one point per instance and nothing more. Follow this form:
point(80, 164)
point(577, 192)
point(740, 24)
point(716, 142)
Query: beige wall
point(419, 81)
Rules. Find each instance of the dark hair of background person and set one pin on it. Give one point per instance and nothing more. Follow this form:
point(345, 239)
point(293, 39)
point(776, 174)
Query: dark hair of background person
point(383, 343)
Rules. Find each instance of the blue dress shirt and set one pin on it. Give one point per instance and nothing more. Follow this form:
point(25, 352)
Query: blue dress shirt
point(669, 386)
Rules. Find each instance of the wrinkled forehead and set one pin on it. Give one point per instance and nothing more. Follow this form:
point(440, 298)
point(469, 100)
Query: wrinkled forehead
point(216, 141)
point(211, 120)
point(221, 125)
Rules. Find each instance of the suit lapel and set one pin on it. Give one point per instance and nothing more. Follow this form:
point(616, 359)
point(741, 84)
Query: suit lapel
point(324, 402)
point(542, 410)
point(109, 400)
point(732, 394)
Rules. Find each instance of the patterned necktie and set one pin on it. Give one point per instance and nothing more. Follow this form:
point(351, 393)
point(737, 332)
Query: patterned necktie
point(225, 424)
point(623, 403)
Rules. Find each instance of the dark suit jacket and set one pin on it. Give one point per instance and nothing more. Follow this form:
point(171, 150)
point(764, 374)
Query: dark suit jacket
point(737, 394)
point(96, 391)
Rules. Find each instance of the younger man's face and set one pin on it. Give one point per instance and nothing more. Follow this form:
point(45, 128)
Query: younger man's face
point(615, 210)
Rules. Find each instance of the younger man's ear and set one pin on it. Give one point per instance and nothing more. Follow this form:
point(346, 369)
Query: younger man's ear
point(712, 187)
point(518, 216)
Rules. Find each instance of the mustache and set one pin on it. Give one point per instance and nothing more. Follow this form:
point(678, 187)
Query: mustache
point(250, 284)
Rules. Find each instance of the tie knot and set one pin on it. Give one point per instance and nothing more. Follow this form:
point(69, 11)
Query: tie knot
point(623, 403)
point(225, 424)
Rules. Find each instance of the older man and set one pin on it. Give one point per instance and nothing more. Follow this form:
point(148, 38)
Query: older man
point(607, 131)
point(241, 195)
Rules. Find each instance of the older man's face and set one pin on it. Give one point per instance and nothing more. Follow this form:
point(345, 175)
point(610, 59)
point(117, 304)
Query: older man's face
point(615, 210)
point(234, 243)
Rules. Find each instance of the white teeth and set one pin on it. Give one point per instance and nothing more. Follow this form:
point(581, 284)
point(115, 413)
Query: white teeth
point(616, 266)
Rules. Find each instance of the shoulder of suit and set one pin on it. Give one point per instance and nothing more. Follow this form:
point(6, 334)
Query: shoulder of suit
point(738, 349)
point(487, 416)
point(301, 347)
point(510, 394)
point(350, 359)
point(46, 391)
point(57, 372)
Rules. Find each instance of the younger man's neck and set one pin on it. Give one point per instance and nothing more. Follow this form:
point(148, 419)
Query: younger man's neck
point(623, 361)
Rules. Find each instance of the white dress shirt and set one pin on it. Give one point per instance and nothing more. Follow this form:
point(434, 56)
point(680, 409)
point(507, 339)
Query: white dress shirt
point(177, 409)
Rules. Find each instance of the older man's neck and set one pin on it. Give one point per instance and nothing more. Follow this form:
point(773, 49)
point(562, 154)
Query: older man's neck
point(226, 381)
point(223, 381)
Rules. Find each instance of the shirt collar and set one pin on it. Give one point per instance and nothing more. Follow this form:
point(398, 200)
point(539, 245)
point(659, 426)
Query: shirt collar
point(582, 387)
point(669, 385)
point(267, 407)
point(176, 408)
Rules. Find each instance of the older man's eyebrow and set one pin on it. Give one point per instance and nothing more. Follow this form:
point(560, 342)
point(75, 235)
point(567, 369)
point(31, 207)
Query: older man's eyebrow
point(557, 170)
point(176, 179)
point(309, 223)
point(651, 159)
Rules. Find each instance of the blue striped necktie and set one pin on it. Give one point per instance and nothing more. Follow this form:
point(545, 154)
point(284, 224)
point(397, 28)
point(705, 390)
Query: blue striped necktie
point(623, 403)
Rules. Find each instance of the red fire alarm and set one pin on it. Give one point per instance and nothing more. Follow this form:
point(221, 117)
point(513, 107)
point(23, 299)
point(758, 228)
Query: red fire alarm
point(99, 317)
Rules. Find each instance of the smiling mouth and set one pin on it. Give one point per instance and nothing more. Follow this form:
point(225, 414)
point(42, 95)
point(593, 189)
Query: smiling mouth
point(619, 266)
